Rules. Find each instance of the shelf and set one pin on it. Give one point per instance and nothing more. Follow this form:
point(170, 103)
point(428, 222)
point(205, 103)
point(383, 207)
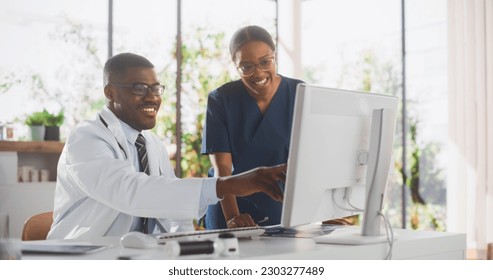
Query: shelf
point(47, 184)
point(53, 147)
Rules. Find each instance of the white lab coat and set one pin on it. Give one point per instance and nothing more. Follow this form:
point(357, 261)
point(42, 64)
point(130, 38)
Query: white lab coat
point(98, 187)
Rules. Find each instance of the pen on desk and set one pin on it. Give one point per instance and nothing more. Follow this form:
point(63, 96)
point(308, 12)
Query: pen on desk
point(265, 219)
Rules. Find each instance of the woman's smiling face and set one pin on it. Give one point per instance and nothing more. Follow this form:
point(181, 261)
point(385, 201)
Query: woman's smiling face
point(258, 54)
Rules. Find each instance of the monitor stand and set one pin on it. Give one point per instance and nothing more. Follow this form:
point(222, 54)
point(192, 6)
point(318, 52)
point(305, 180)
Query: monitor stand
point(380, 153)
point(351, 236)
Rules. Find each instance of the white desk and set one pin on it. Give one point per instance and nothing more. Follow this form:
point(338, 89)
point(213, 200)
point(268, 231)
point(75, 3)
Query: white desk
point(409, 245)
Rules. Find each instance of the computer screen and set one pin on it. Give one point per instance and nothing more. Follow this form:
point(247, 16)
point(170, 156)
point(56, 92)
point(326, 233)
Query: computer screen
point(330, 151)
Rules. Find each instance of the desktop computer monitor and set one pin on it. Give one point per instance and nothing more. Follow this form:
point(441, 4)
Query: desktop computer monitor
point(339, 157)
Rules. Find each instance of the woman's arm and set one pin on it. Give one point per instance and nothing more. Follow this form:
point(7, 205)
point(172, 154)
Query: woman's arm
point(222, 164)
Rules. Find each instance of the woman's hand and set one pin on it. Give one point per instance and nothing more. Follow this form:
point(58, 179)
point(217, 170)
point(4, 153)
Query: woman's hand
point(241, 220)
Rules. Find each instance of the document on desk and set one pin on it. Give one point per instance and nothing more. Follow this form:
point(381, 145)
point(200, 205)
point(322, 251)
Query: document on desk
point(37, 248)
point(307, 231)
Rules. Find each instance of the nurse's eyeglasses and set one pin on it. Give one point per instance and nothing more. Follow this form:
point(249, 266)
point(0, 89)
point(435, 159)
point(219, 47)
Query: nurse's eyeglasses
point(246, 70)
point(141, 89)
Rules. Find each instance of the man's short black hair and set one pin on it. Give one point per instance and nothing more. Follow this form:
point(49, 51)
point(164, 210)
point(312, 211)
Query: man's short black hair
point(117, 65)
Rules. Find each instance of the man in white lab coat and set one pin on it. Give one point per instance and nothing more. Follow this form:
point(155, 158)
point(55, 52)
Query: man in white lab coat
point(100, 190)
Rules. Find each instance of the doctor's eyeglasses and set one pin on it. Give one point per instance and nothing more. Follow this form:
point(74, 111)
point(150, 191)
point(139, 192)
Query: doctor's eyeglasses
point(141, 89)
point(246, 70)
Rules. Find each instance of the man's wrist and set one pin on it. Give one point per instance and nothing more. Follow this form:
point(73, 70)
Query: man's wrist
point(220, 188)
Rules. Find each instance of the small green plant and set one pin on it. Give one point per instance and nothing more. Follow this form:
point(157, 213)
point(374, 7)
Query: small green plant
point(52, 119)
point(36, 118)
point(45, 118)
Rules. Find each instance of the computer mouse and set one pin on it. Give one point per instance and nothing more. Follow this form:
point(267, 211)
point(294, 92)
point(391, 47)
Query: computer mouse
point(138, 240)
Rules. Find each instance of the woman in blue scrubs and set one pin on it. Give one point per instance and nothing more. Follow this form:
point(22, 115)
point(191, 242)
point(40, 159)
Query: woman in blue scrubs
point(248, 124)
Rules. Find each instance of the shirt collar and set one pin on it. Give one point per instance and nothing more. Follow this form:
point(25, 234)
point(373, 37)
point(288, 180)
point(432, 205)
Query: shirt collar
point(130, 133)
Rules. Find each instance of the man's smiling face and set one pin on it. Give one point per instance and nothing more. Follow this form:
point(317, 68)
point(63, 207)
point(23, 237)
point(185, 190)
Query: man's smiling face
point(139, 112)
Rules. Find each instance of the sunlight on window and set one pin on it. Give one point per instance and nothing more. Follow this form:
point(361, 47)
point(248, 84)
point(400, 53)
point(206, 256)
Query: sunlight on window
point(54, 53)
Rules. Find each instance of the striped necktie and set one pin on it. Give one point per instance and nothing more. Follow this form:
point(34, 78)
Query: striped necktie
point(140, 143)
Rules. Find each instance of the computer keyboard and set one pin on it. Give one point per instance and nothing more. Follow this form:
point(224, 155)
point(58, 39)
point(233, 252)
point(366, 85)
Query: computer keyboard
point(244, 232)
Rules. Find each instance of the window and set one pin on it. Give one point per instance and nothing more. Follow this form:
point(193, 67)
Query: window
point(361, 50)
point(52, 59)
point(56, 49)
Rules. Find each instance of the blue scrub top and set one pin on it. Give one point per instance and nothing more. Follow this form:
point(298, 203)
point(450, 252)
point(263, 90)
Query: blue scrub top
point(235, 124)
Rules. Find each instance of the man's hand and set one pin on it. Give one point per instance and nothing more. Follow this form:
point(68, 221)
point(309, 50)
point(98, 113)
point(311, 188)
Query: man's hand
point(261, 179)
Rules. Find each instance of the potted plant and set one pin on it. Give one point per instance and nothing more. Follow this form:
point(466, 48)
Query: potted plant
point(52, 123)
point(35, 121)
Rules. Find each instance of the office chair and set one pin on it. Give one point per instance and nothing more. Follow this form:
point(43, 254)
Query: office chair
point(37, 227)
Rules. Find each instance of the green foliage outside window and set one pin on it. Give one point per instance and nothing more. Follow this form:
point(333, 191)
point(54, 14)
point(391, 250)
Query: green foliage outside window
point(425, 182)
point(205, 66)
